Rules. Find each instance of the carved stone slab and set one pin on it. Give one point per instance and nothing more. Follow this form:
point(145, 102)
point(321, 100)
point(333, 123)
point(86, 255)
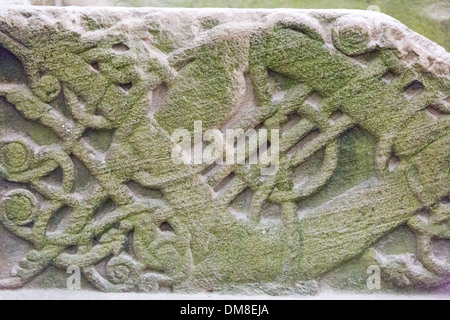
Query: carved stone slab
point(90, 99)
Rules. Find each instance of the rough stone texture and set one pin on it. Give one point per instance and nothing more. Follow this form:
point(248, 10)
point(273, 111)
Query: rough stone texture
point(91, 96)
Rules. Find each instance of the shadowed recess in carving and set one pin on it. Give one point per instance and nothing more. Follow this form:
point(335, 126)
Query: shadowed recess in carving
point(314, 100)
point(54, 178)
point(335, 117)
point(100, 140)
point(247, 102)
point(71, 250)
point(306, 171)
point(411, 58)
point(126, 87)
point(304, 141)
point(394, 162)
point(278, 85)
point(158, 96)
point(364, 60)
point(293, 120)
point(120, 47)
point(60, 219)
point(84, 180)
point(388, 77)
point(166, 227)
point(13, 122)
point(225, 182)
point(208, 170)
point(105, 208)
point(424, 215)
point(11, 68)
point(414, 89)
point(441, 247)
point(95, 66)
point(433, 112)
point(240, 206)
point(271, 213)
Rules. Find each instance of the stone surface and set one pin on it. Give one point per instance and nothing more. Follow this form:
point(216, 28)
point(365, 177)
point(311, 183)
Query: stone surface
point(90, 98)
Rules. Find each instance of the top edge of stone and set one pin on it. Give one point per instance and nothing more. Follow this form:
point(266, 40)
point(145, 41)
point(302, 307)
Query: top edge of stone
point(206, 10)
point(203, 9)
point(433, 57)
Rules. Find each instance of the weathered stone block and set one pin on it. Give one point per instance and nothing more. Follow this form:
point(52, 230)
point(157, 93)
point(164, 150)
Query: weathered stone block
point(356, 104)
